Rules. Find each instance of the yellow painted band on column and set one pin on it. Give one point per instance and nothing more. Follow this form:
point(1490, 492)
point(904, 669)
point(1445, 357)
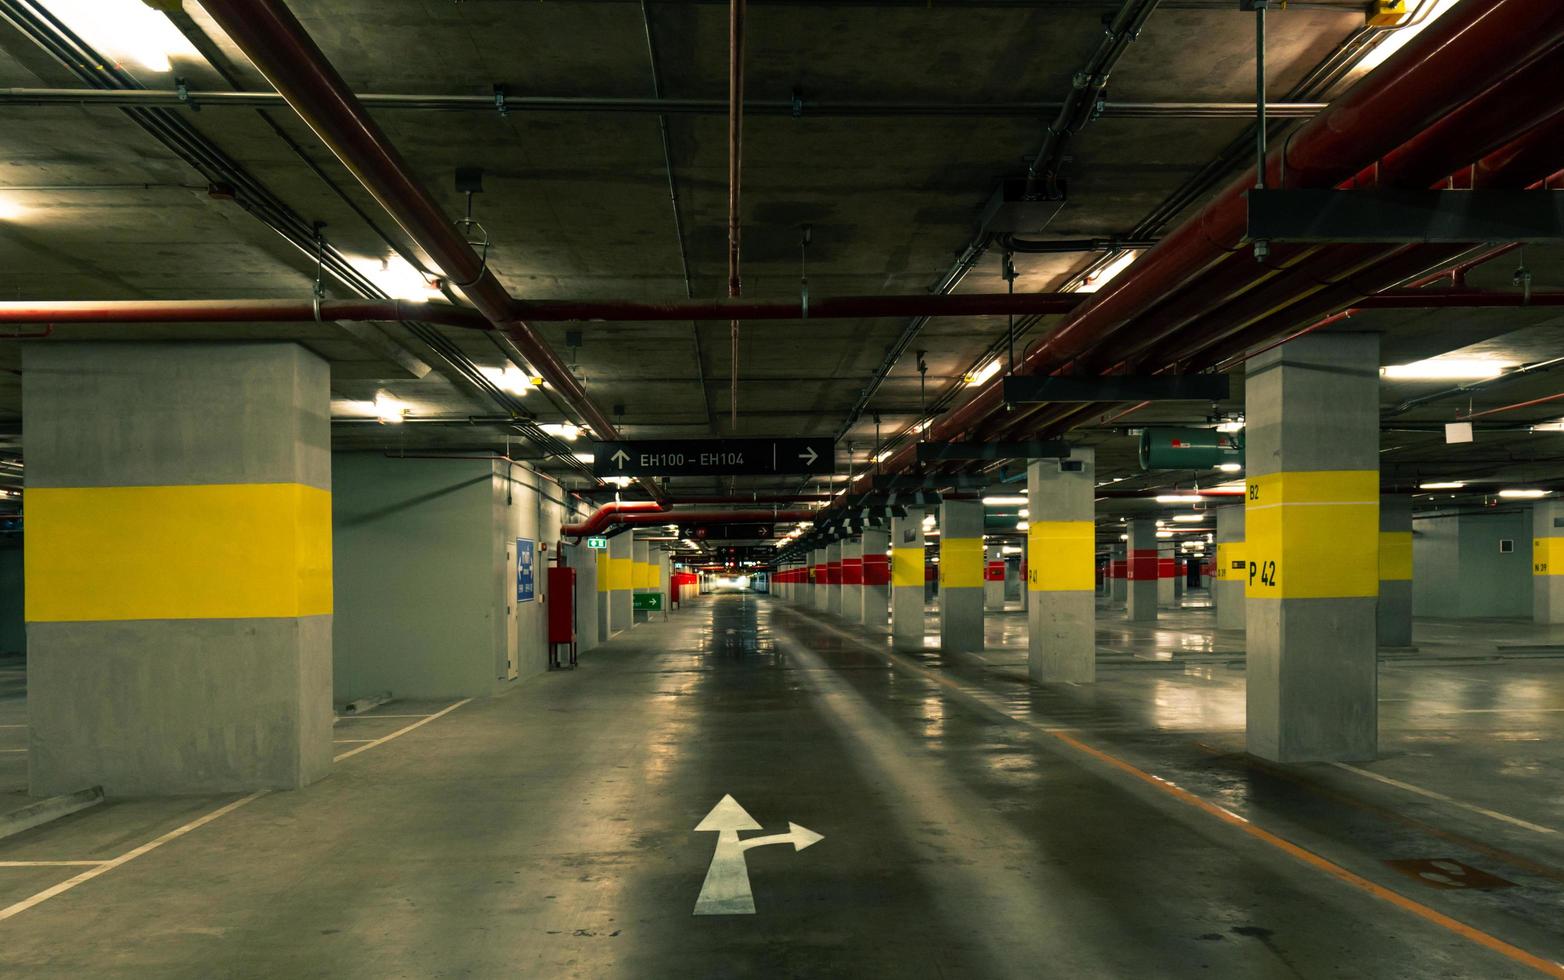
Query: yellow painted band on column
point(1547, 556)
point(1312, 534)
point(602, 571)
point(1061, 556)
point(961, 563)
point(621, 574)
point(1230, 561)
point(645, 575)
point(1395, 556)
point(907, 567)
point(223, 551)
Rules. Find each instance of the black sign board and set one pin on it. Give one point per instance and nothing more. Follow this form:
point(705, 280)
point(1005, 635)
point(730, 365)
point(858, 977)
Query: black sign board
point(713, 457)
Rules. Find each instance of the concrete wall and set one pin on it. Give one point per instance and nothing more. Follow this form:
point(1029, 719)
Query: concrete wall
point(426, 575)
point(1458, 571)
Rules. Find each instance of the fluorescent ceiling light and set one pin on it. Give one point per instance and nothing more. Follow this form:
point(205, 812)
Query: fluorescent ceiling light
point(126, 30)
point(1010, 549)
point(1523, 494)
point(1442, 485)
point(1231, 425)
point(1178, 498)
point(1189, 518)
point(1024, 512)
point(509, 378)
point(1231, 467)
point(882, 457)
point(1446, 369)
point(982, 374)
point(1103, 276)
point(1164, 534)
point(1022, 525)
point(583, 457)
point(568, 431)
point(1401, 35)
point(618, 481)
point(1015, 501)
point(393, 274)
point(1539, 427)
point(388, 409)
point(928, 520)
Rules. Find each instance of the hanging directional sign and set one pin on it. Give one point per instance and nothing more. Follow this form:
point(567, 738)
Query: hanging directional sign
point(713, 457)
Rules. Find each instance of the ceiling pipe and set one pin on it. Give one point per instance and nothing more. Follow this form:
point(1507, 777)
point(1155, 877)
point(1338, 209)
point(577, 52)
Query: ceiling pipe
point(688, 518)
point(609, 514)
point(196, 99)
point(735, 168)
point(1472, 47)
point(277, 44)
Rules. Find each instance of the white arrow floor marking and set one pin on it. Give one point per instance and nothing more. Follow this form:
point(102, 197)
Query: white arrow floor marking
point(726, 889)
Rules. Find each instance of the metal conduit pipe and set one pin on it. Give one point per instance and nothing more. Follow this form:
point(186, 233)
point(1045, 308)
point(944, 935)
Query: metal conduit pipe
point(1470, 48)
point(690, 517)
point(735, 172)
point(277, 44)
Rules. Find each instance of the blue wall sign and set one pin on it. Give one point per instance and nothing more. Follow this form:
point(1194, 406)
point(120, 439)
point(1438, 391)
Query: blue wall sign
point(526, 578)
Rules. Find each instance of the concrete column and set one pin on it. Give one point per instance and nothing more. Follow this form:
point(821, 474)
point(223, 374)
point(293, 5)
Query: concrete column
point(1547, 561)
point(601, 579)
point(1393, 615)
point(664, 563)
point(1165, 573)
point(621, 581)
point(1232, 569)
point(993, 579)
point(1140, 602)
point(1312, 538)
point(961, 575)
point(821, 591)
point(179, 567)
point(852, 580)
point(1119, 569)
point(833, 571)
point(584, 561)
point(907, 579)
point(1061, 545)
point(876, 580)
point(643, 576)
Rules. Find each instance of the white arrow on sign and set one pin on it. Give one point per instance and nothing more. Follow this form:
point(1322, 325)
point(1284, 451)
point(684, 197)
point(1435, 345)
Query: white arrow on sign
point(726, 889)
point(619, 457)
point(809, 455)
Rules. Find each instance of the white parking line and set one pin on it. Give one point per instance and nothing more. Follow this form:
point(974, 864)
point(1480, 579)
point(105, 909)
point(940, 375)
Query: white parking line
point(346, 741)
point(50, 864)
point(401, 731)
point(96, 869)
point(1420, 791)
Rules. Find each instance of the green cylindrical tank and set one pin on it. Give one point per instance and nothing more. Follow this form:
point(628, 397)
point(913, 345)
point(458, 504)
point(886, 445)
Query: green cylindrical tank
point(1181, 448)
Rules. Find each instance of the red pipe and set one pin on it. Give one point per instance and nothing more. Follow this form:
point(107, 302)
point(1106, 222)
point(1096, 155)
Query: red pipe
point(277, 44)
point(1475, 45)
point(607, 514)
point(714, 517)
point(1510, 408)
point(391, 310)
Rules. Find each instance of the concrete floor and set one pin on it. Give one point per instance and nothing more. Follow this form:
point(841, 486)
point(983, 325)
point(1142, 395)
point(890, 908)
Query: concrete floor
point(973, 826)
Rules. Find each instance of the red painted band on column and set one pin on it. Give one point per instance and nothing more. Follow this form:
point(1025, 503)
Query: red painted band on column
point(1166, 568)
point(833, 571)
point(1142, 564)
point(876, 570)
point(1120, 568)
point(852, 571)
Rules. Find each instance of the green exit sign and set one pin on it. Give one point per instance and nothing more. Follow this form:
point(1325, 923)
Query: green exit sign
point(648, 601)
point(597, 544)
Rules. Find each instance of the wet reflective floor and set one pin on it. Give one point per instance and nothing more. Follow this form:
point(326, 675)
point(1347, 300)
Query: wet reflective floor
point(969, 825)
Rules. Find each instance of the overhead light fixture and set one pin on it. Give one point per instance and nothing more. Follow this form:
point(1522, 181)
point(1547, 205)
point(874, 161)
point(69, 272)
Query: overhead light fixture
point(582, 457)
point(1010, 549)
point(1024, 512)
point(1231, 425)
point(1124, 537)
point(1164, 534)
point(1442, 485)
point(508, 378)
point(10, 209)
point(1189, 518)
point(1178, 498)
point(1022, 525)
point(568, 431)
point(983, 373)
point(389, 410)
point(1231, 467)
point(1014, 501)
point(127, 30)
point(1096, 280)
point(928, 520)
point(398, 278)
point(1520, 494)
point(618, 481)
point(1446, 369)
point(882, 457)
point(1403, 32)
point(1539, 427)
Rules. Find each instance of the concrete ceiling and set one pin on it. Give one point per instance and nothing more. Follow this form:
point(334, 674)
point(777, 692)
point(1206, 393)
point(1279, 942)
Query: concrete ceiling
point(577, 205)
